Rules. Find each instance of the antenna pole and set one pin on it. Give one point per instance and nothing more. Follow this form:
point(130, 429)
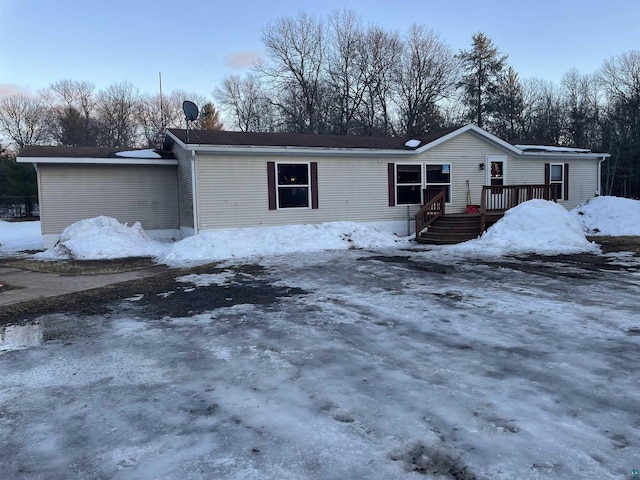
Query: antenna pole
point(161, 103)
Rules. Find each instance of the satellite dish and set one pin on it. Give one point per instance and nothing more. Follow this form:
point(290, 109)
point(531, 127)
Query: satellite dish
point(190, 110)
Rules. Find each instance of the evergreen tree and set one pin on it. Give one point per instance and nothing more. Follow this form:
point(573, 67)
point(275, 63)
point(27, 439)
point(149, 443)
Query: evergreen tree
point(209, 118)
point(483, 65)
point(16, 179)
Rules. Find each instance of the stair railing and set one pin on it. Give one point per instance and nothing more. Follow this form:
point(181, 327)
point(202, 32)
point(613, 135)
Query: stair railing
point(431, 210)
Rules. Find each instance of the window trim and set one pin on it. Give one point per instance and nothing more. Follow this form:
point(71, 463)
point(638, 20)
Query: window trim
point(450, 184)
point(560, 182)
point(496, 159)
point(423, 182)
point(307, 186)
point(397, 184)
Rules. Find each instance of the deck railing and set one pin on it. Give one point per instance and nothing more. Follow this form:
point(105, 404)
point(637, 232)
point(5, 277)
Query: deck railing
point(432, 209)
point(500, 198)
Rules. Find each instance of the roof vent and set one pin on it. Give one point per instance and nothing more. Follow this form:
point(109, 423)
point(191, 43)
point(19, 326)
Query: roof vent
point(412, 144)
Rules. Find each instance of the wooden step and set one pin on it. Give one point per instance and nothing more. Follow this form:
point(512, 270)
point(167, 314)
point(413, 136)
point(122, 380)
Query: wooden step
point(451, 229)
point(470, 229)
point(445, 238)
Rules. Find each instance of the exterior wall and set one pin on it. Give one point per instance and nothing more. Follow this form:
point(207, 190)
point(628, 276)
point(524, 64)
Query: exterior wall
point(465, 153)
point(130, 193)
point(232, 190)
point(583, 176)
point(185, 187)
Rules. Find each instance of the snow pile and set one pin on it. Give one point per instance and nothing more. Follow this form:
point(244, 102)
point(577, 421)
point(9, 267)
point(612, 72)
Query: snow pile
point(147, 153)
point(215, 245)
point(536, 226)
point(609, 216)
point(102, 238)
point(18, 236)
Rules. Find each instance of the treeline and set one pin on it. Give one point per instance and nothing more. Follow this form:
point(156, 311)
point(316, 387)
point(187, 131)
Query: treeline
point(335, 75)
point(73, 113)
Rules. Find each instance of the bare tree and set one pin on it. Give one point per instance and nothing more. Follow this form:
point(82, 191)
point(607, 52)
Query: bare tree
point(380, 52)
point(72, 105)
point(296, 50)
point(245, 101)
point(346, 79)
point(24, 120)
point(426, 74)
point(619, 79)
point(580, 101)
point(116, 109)
point(154, 114)
point(508, 104)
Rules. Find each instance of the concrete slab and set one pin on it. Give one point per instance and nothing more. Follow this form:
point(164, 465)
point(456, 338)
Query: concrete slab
point(27, 285)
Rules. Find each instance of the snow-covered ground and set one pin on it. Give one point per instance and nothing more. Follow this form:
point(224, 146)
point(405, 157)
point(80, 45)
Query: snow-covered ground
point(333, 363)
point(19, 236)
point(379, 365)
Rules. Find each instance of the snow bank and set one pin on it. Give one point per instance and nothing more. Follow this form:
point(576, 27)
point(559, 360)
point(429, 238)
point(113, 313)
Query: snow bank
point(536, 226)
point(609, 216)
point(216, 245)
point(19, 236)
point(102, 238)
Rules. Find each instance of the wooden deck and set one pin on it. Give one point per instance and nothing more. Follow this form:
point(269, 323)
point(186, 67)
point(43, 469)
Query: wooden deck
point(433, 226)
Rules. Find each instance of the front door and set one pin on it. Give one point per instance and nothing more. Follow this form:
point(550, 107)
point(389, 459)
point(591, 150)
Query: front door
point(496, 168)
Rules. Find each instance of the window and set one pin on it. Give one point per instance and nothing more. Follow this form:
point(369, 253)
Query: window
point(439, 176)
point(556, 176)
point(497, 173)
point(409, 184)
point(293, 185)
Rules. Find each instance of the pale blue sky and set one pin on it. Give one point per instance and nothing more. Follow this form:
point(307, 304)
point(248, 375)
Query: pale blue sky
point(194, 43)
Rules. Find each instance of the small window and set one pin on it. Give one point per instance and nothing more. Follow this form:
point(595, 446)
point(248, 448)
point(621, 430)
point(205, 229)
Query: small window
point(439, 176)
point(409, 184)
point(497, 173)
point(293, 185)
point(556, 176)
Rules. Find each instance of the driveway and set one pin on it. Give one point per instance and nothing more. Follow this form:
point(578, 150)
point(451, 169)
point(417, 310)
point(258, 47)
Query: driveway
point(356, 364)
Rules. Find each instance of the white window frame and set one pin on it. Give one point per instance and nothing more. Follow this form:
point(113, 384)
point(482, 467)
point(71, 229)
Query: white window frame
point(496, 159)
point(278, 186)
point(558, 182)
point(450, 184)
point(420, 184)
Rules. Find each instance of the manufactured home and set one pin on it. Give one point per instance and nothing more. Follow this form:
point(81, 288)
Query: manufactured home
point(204, 180)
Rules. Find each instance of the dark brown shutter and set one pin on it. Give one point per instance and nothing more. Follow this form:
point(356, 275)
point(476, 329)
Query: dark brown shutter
point(271, 184)
point(314, 185)
point(547, 173)
point(547, 181)
point(566, 181)
point(392, 184)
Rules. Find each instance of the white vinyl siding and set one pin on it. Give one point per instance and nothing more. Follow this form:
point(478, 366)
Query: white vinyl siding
point(232, 190)
point(185, 187)
point(583, 176)
point(465, 153)
point(130, 193)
